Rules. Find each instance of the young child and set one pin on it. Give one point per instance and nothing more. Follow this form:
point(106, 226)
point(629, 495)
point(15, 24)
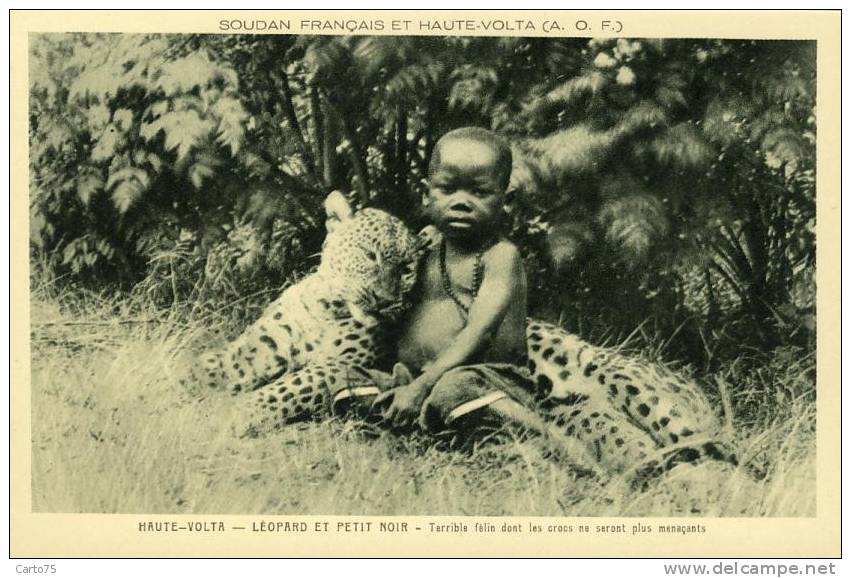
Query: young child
point(465, 337)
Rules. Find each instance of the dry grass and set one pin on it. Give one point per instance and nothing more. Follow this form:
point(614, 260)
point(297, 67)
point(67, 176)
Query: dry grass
point(113, 433)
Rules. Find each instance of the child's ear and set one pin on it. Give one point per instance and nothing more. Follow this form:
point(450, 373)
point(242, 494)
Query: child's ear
point(337, 210)
point(508, 203)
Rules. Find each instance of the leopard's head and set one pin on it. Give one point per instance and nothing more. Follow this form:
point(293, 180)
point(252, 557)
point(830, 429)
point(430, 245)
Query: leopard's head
point(370, 258)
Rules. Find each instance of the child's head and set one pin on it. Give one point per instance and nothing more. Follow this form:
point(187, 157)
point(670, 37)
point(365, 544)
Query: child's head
point(468, 177)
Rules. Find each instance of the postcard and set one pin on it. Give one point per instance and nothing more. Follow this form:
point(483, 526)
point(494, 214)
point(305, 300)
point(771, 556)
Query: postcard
point(308, 283)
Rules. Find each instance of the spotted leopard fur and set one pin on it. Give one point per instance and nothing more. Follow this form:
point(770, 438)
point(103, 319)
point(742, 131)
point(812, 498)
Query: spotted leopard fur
point(321, 330)
point(632, 415)
point(313, 347)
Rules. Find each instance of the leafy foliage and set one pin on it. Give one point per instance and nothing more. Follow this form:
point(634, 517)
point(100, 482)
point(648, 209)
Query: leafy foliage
point(661, 184)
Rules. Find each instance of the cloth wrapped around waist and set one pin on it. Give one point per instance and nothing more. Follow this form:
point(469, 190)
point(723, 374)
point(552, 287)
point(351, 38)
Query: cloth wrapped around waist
point(468, 388)
point(458, 392)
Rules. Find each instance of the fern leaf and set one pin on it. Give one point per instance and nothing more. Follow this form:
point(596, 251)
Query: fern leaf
point(98, 117)
point(159, 108)
point(230, 77)
point(185, 74)
point(155, 162)
point(149, 130)
point(191, 102)
point(123, 119)
point(107, 144)
point(129, 174)
point(100, 84)
point(58, 134)
point(126, 194)
point(203, 168)
point(184, 130)
point(88, 184)
point(326, 58)
point(198, 173)
point(670, 90)
point(232, 118)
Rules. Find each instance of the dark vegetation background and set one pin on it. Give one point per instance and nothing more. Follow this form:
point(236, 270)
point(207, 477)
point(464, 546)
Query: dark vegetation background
point(665, 189)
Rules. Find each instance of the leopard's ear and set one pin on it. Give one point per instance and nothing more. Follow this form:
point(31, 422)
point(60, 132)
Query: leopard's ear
point(337, 210)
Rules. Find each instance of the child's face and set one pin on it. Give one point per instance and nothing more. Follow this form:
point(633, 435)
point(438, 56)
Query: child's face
point(466, 191)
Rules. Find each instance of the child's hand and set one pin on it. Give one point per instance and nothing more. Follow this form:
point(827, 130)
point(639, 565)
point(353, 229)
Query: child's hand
point(404, 409)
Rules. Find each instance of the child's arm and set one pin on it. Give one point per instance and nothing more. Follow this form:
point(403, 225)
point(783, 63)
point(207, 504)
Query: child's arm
point(503, 282)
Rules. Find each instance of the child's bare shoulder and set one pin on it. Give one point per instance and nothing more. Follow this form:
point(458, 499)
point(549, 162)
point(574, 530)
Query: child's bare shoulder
point(503, 253)
point(504, 264)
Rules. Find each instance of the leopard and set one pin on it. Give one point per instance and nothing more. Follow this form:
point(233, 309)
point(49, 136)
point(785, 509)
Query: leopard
point(326, 327)
point(636, 417)
point(316, 351)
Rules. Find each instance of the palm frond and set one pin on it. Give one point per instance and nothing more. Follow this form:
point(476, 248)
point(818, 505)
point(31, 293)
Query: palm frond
point(579, 149)
point(784, 145)
point(723, 119)
point(577, 88)
point(572, 93)
point(528, 175)
point(646, 115)
point(411, 83)
point(327, 60)
point(634, 223)
point(681, 147)
point(375, 53)
point(473, 88)
point(567, 241)
point(621, 185)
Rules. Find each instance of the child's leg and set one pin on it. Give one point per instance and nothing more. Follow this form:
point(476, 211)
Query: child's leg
point(470, 397)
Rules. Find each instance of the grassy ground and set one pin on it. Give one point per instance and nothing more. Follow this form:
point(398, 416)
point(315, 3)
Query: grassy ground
point(113, 433)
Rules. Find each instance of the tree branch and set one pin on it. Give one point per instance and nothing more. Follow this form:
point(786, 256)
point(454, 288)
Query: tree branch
point(318, 135)
point(292, 120)
point(356, 154)
point(401, 169)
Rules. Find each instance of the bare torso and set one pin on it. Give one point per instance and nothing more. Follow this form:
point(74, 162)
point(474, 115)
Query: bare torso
point(436, 319)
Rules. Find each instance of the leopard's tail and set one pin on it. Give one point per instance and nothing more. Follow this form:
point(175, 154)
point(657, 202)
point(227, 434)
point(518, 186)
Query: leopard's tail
point(202, 375)
point(693, 453)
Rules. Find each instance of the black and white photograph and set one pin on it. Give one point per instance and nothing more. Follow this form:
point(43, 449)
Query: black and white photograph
point(358, 274)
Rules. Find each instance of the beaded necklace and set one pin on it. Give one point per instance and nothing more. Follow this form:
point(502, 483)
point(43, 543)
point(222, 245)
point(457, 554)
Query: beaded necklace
point(478, 273)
